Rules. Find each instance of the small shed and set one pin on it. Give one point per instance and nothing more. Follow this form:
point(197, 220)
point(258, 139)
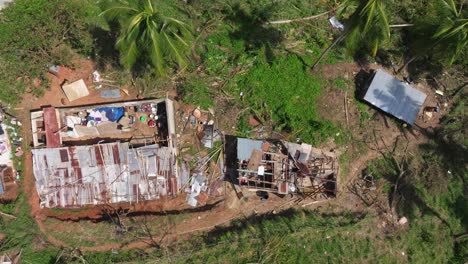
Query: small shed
point(75, 90)
point(395, 97)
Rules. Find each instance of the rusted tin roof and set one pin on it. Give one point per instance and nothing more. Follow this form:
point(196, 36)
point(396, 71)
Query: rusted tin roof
point(51, 127)
point(104, 173)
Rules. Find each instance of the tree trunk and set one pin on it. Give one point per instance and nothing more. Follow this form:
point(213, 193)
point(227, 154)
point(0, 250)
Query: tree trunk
point(406, 64)
point(325, 52)
point(459, 89)
point(400, 25)
point(297, 19)
point(459, 237)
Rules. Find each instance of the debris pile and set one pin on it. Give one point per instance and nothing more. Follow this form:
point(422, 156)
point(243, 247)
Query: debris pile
point(144, 121)
point(286, 168)
point(10, 146)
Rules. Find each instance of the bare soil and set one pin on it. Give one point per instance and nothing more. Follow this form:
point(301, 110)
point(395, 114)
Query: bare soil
point(194, 222)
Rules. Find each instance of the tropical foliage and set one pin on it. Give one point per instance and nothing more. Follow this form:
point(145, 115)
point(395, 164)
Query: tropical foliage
point(42, 37)
point(367, 26)
point(241, 53)
point(443, 33)
point(148, 36)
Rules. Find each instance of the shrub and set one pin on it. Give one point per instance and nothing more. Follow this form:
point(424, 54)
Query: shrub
point(286, 92)
point(32, 37)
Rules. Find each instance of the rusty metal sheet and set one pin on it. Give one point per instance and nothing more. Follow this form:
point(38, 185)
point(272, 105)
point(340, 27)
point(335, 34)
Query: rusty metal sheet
point(51, 127)
point(104, 173)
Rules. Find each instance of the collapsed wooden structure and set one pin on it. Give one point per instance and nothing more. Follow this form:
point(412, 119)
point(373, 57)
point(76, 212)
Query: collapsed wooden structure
point(286, 168)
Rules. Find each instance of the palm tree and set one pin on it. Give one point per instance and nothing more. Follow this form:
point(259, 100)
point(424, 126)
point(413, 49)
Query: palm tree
point(443, 36)
point(147, 35)
point(367, 27)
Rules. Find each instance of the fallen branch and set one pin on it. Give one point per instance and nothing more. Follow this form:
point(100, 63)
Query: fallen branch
point(346, 107)
point(297, 19)
point(8, 215)
point(336, 41)
point(400, 25)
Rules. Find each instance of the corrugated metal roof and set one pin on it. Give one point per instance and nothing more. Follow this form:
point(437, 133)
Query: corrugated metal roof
point(104, 173)
point(395, 97)
point(51, 127)
point(246, 146)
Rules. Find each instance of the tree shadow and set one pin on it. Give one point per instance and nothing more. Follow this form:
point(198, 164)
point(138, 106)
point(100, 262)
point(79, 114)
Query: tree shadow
point(105, 52)
point(454, 159)
point(362, 81)
point(249, 26)
point(285, 218)
point(425, 66)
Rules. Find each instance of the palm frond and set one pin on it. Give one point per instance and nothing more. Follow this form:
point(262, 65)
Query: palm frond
point(129, 48)
point(175, 51)
point(450, 5)
point(368, 11)
point(116, 11)
point(385, 24)
point(148, 35)
point(155, 53)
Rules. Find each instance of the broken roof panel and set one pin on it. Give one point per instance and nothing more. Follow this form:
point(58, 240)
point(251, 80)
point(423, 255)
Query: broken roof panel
point(245, 146)
point(75, 90)
point(51, 127)
point(395, 97)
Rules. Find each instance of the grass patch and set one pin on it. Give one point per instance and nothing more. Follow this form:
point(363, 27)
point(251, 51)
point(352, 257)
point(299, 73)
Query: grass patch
point(305, 236)
point(285, 92)
point(195, 91)
point(363, 109)
point(341, 83)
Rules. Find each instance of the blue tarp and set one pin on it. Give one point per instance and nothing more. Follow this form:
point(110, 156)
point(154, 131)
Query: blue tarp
point(112, 113)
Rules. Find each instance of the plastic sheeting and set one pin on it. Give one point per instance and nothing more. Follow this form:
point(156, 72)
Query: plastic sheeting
point(115, 93)
point(113, 114)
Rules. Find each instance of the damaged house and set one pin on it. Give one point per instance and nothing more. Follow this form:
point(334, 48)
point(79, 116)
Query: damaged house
point(283, 167)
point(108, 153)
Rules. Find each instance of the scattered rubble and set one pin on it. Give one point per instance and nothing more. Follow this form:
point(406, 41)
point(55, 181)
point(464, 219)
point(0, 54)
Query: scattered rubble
point(10, 146)
point(284, 168)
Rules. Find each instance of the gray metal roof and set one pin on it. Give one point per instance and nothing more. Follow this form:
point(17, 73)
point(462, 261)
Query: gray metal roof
point(245, 147)
point(395, 97)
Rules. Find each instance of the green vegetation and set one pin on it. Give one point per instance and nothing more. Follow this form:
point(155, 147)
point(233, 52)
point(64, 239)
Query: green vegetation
point(368, 25)
point(442, 35)
point(433, 197)
point(278, 89)
point(21, 232)
point(45, 35)
point(195, 91)
point(148, 35)
point(226, 56)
